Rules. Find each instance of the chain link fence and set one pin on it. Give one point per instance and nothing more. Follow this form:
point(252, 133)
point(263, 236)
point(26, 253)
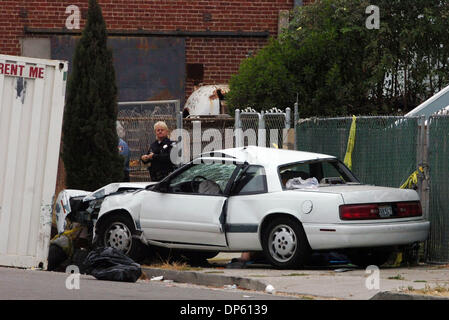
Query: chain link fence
point(438, 159)
point(197, 134)
point(138, 119)
point(205, 134)
point(386, 151)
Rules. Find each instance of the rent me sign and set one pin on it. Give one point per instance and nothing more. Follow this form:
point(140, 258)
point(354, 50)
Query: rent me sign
point(19, 70)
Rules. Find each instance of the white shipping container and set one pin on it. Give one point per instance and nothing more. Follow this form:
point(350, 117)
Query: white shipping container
point(32, 94)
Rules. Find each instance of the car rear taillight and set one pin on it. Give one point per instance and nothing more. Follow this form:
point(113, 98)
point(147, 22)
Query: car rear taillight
point(380, 211)
point(409, 209)
point(359, 212)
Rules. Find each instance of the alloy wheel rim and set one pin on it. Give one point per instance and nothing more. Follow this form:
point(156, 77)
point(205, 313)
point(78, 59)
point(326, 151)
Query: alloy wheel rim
point(118, 236)
point(282, 243)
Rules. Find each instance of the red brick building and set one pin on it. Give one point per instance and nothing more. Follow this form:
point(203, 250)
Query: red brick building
point(161, 47)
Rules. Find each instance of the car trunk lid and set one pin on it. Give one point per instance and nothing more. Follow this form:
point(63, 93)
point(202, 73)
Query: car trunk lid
point(357, 193)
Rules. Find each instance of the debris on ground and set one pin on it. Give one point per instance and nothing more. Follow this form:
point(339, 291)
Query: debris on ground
point(270, 289)
point(111, 264)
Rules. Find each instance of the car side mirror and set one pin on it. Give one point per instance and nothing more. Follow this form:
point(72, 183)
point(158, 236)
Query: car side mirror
point(162, 186)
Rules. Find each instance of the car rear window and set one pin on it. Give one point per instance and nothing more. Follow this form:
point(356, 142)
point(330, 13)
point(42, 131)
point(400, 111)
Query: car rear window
point(326, 172)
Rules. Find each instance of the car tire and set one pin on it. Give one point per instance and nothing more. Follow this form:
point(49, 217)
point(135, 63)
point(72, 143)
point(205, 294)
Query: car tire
point(365, 258)
point(117, 232)
point(285, 243)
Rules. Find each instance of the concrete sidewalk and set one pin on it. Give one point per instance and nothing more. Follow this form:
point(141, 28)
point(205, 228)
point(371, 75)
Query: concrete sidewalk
point(333, 282)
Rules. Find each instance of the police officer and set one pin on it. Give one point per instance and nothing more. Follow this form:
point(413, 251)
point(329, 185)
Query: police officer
point(123, 150)
point(159, 153)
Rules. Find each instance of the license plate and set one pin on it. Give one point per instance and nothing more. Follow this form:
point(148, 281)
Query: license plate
point(385, 211)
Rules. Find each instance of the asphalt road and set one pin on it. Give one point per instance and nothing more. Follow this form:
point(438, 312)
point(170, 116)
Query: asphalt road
point(19, 284)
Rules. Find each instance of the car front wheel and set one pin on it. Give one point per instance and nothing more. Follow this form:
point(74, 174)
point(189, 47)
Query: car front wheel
point(285, 243)
point(117, 232)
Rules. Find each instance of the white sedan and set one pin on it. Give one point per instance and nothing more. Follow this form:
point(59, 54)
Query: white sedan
point(284, 203)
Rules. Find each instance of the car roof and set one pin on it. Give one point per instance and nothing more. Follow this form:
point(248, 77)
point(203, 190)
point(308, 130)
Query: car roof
point(266, 156)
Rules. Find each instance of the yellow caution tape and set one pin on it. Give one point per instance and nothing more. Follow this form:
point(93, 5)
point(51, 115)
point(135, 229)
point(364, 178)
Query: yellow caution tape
point(412, 180)
point(351, 143)
point(275, 145)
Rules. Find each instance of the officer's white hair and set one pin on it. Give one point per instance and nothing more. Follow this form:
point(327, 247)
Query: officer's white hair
point(160, 124)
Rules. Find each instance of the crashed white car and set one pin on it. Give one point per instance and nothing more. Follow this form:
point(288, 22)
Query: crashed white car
point(284, 203)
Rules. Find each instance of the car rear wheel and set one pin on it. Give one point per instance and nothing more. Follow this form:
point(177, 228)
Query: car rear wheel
point(285, 243)
point(117, 232)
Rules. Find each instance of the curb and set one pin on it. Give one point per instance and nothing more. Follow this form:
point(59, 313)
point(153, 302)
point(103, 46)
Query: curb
point(388, 295)
point(215, 280)
point(203, 279)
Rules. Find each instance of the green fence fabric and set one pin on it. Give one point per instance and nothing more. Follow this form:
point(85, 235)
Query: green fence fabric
point(438, 158)
point(385, 148)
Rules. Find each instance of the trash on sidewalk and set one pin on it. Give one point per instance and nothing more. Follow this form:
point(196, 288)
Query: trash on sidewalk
point(158, 278)
point(343, 270)
point(111, 264)
point(270, 289)
point(229, 286)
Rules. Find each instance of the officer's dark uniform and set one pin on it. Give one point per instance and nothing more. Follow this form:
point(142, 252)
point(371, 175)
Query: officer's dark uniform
point(161, 164)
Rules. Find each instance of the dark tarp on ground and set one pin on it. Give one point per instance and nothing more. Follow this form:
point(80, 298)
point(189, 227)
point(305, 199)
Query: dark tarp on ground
point(111, 264)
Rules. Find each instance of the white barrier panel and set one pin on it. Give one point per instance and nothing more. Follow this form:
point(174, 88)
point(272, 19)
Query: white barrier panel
point(32, 95)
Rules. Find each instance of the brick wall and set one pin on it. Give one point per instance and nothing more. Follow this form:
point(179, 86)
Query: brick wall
point(220, 56)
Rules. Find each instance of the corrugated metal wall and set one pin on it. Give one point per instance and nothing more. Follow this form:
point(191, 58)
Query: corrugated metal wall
point(31, 111)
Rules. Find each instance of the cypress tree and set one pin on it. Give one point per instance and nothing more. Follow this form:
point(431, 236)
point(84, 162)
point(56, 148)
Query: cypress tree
point(90, 140)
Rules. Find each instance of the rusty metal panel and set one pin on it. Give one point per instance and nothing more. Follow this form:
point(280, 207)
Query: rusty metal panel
point(147, 68)
point(31, 110)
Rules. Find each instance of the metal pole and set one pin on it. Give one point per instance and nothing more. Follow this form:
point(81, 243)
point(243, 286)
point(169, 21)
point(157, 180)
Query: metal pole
point(180, 143)
point(237, 129)
point(295, 123)
point(288, 114)
point(261, 133)
point(426, 125)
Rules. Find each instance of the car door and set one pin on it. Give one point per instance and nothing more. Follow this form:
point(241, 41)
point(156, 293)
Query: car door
point(246, 207)
point(188, 209)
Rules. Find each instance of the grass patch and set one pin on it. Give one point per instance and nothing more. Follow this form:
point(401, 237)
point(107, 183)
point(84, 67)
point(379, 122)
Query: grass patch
point(295, 275)
point(397, 277)
point(174, 265)
point(438, 290)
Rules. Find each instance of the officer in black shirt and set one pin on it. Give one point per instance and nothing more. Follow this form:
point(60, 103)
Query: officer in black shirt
point(159, 153)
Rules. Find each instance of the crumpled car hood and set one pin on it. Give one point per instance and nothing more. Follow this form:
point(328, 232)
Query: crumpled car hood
point(115, 187)
point(63, 208)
